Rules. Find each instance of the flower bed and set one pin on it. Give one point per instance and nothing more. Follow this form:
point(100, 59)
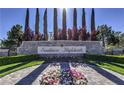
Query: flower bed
point(51, 75)
point(56, 76)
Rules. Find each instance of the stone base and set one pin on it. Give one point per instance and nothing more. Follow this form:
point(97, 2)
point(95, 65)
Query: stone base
point(4, 52)
point(31, 47)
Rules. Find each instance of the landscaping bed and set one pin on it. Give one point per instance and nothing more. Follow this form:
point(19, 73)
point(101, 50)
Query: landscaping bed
point(54, 75)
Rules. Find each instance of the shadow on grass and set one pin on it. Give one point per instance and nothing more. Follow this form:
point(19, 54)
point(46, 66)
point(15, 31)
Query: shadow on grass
point(31, 77)
point(13, 67)
point(108, 75)
point(112, 63)
point(118, 64)
point(104, 58)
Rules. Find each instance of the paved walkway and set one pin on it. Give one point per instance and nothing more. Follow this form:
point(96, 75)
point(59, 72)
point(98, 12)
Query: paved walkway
point(95, 75)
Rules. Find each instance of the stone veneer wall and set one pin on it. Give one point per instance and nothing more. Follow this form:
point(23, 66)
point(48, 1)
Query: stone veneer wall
point(4, 52)
point(30, 47)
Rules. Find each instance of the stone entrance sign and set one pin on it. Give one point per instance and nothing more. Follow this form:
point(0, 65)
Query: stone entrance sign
point(61, 50)
point(31, 47)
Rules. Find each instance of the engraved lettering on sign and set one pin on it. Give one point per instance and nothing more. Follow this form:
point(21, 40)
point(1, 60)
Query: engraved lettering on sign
point(61, 50)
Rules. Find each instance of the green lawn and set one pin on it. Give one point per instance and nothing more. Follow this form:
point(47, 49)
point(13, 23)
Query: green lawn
point(7, 69)
point(112, 67)
point(111, 62)
point(12, 64)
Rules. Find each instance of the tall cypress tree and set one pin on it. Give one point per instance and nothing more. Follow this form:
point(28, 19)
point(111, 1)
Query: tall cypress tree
point(27, 30)
point(45, 25)
point(83, 19)
point(27, 19)
point(75, 33)
point(83, 33)
point(37, 22)
point(55, 24)
point(93, 32)
point(64, 36)
point(75, 18)
point(64, 19)
point(92, 20)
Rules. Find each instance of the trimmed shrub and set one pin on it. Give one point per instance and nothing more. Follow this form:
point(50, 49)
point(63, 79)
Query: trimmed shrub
point(19, 58)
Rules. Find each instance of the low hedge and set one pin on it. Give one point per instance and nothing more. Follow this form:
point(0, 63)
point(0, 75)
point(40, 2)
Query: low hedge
point(19, 58)
point(105, 58)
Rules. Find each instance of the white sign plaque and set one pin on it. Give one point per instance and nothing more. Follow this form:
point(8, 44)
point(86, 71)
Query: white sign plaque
point(61, 49)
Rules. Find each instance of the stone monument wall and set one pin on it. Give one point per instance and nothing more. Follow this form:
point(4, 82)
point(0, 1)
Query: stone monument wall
point(31, 47)
point(4, 52)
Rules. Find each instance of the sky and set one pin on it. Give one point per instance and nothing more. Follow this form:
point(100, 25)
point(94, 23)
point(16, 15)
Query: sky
point(11, 16)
